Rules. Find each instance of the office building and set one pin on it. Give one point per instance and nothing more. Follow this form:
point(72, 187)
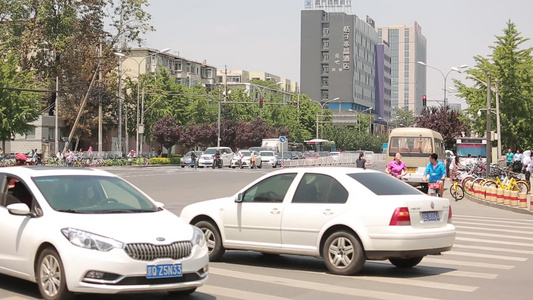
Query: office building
point(408, 82)
point(338, 59)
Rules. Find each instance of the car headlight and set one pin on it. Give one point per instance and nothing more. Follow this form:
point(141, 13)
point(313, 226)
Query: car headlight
point(89, 240)
point(198, 237)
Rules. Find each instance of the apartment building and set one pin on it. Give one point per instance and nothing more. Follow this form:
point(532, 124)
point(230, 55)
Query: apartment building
point(408, 78)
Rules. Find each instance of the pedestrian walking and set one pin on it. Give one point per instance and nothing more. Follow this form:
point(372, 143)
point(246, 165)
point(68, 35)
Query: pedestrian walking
point(396, 167)
point(361, 162)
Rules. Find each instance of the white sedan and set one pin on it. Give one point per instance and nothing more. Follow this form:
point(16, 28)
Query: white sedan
point(345, 215)
point(88, 231)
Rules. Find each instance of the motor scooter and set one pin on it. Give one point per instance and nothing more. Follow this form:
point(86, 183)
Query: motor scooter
point(217, 162)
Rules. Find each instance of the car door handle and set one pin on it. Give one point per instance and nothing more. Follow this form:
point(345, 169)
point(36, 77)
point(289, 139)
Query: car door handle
point(275, 211)
point(328, 212)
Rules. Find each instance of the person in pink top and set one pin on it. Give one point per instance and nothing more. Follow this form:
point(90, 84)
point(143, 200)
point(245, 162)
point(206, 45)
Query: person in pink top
point(396, 167)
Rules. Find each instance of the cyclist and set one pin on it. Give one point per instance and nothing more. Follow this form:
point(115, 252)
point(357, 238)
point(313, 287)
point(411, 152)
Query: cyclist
point(435, 172)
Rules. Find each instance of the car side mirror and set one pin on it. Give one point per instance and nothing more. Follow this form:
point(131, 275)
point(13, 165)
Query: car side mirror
point(18, 209)
point(239, 198)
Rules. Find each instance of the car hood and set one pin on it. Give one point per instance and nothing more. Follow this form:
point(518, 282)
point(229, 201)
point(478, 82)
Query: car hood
point(133, 227)
point(207, 156)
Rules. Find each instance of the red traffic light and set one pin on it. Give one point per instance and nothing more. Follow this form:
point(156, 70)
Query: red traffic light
point(424, 100)
point(261, 103)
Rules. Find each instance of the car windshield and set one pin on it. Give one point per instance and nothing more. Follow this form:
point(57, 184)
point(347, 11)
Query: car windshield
point(92, 194)
point(246, 153)
point(210, 151)
point(188, 153)
point(266, 153)
point(310, 154)
point(384, 185)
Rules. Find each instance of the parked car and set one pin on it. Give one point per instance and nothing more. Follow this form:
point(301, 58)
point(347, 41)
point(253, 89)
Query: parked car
point(89, 231)
point(206, 159)
point(311, 155)
point(345, 215)
point(186, 159)
point(246, 159)
point(269, 158)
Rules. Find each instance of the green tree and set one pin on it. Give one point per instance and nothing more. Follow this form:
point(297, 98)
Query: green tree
point(404, 118)
point(18, 108)
point(511, 64)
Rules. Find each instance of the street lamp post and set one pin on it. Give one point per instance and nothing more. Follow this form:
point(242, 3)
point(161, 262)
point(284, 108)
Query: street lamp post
point(489, 138)
point(138, 95)
point(445, 77)
point(496, 91)
point(322, 109)
point(359, 116)
point(120, 56)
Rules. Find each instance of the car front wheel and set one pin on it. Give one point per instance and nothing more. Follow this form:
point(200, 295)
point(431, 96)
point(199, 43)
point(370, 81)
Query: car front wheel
point(406, 263)
point(343, 253)
point(213, 239)
point(51, 276)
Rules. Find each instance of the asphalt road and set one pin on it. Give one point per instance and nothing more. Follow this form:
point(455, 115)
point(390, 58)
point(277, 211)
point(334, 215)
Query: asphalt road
point(492, 257)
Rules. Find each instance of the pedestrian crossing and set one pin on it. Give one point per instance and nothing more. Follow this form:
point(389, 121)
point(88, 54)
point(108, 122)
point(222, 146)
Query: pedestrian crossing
point(485, 248)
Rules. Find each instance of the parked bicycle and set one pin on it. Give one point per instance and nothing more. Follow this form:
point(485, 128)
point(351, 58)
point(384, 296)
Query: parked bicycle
point(456, 189)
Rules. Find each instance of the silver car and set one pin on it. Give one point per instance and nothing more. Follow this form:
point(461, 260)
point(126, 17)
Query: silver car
point(269, 158)
point(187, 158)
point(246, 159)
point(206, 159)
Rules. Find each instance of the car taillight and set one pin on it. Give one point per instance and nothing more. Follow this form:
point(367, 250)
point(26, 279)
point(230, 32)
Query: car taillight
point(450, 215)
point(400, 217)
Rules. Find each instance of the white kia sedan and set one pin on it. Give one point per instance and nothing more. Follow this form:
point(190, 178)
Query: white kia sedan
point(345, 215)
point(88, 231)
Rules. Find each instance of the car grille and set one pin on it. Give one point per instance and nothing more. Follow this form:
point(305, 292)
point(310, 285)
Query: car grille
point(150, 252)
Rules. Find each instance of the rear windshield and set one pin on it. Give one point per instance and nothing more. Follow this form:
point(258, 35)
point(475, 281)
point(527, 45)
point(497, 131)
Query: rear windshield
point(383, 184)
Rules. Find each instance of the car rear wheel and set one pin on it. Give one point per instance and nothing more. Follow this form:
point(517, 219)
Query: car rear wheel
point(343, 253)
point(213, 239)
point(406, 263)
point(51, 276)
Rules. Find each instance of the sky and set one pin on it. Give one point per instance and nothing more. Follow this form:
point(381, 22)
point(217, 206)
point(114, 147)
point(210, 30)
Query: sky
point(264, 35)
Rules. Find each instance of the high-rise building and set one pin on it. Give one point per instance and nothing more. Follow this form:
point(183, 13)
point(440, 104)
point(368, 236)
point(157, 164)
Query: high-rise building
point(337, 61)
point(408, 82)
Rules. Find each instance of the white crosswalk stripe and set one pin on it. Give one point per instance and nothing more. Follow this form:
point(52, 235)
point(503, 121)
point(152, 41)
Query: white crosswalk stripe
point(492, 249)
point(317, 286)
point(481, 255)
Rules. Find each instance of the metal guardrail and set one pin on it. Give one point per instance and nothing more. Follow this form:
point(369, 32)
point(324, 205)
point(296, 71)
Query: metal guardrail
point(341, 160)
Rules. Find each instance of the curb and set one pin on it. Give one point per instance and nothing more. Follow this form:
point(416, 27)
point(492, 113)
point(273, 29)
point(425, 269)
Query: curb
point(525, 211)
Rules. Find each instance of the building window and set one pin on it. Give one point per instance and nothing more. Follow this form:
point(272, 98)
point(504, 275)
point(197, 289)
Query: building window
point(30, 134)
point(325, 69)
point(325, 56)
point(325, 29)
point(209, 73)
point(325, 43)
point(325, 82)
point(325, 95)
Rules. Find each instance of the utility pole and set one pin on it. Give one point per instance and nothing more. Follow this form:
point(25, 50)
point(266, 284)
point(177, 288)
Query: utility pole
point(56, 131)
point(100, 85)
point(489, 140)
point(498, 119)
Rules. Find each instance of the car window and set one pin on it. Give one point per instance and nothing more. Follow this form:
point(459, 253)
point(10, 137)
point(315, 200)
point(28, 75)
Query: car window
point(383, 184)
point(271, 189)
point(210, 151)
point(17, 191)
point(266, 153)
point(92, 194)
point(319, 188)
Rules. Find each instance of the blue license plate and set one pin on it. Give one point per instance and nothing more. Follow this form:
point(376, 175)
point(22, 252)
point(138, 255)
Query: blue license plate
point(430, 216)
point(163, 271)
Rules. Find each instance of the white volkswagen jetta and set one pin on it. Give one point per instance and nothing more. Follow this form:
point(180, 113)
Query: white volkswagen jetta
point(88, 231)
point(345, 215)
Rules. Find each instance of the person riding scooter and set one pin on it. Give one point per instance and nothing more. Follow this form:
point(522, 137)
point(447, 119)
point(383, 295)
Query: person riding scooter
point(217, 161)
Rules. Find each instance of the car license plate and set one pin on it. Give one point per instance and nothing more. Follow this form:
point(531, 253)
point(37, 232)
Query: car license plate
point(163, 271)
point(411, 170)
point(430, 216)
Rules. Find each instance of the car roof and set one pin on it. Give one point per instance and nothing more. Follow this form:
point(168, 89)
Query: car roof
point(326, 170)
point(54, 171)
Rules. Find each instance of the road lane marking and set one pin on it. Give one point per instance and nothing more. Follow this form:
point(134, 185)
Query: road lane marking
point(503, 236)
point(235, 293)
point(509, 250)
point(526, 231)
point(485, 241)
point(420, 283)
point(454, 273)
point(481, 255)
point(467, 263)
point(495, 220)
point(308, 285)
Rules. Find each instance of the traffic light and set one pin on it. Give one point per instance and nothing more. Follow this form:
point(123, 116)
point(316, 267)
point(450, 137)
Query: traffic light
point(424, 101)
point(261, 103)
